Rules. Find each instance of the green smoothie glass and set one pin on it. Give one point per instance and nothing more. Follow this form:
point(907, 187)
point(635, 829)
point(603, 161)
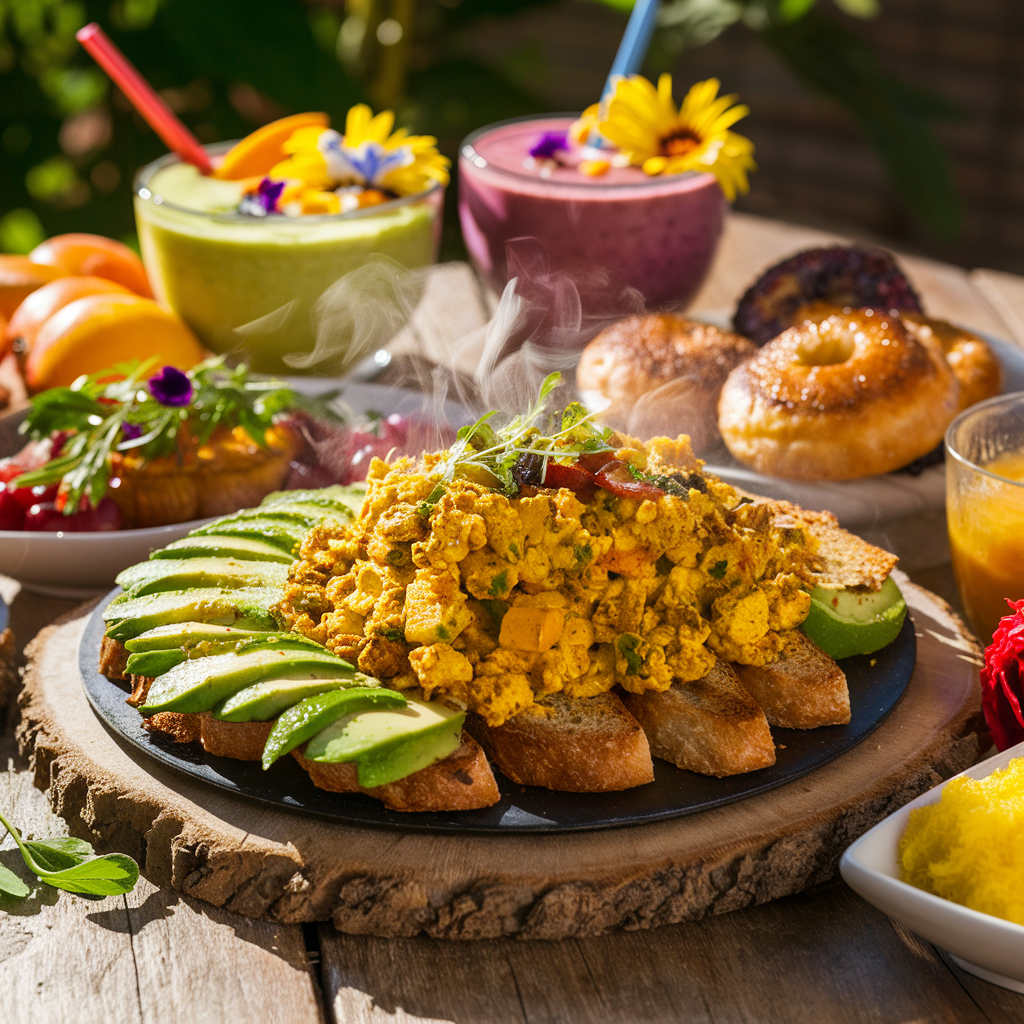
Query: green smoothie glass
point(248, 285)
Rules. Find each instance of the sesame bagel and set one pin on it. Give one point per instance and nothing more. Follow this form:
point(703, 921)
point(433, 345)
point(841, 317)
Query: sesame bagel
point(677, 365)
point(972, 361)
point(850, 395)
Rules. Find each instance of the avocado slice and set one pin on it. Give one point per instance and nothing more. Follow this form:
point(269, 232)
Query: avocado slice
point(389, 745)
point(307, 515)
point(309, 716)
point(184, 573)
point(202, 684)
point(243, 548)
point(847, 622)
point(344, 498)
point(191, 635)
point(285, 534)
point(246, 608)
point(153, 656)
point(268, 698)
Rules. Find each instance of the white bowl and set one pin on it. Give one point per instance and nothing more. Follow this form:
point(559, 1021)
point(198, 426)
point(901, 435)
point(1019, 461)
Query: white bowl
point(80, 564)
point(986, 946)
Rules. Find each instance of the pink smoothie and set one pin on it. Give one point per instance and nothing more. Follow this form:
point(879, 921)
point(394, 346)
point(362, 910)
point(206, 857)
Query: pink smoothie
point(618, 231)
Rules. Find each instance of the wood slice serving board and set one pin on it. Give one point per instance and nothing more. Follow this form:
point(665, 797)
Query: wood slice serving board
point(285, 866)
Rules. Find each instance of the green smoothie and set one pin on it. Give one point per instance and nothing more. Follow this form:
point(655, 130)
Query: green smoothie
point(248, 285)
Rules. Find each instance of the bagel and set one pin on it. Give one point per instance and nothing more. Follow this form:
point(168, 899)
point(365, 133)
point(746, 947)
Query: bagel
point(677, 366)
point(851, 395)
point(839, 275)
point(972, 361)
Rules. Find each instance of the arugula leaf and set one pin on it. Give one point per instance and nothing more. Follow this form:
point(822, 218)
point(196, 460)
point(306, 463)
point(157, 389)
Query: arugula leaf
point(72, 865)
point(11, 884)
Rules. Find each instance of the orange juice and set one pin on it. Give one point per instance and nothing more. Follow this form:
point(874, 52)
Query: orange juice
point(986, 539)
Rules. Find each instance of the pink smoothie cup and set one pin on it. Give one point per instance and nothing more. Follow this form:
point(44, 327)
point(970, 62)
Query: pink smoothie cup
point(608, 234)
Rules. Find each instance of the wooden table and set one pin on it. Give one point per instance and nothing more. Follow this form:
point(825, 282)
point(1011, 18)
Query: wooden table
point(824, 955)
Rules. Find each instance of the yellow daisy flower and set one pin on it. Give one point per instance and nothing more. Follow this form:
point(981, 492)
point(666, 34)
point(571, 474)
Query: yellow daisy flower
point(648, 129)
point(368, 154)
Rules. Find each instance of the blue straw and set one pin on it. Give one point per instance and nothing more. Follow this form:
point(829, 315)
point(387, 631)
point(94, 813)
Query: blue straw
point(632, 50)
point(635, 41)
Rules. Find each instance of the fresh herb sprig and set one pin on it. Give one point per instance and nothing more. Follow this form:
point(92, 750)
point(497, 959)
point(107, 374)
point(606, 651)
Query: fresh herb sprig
point(481, 450)
point(69, 864)
point(132, 414)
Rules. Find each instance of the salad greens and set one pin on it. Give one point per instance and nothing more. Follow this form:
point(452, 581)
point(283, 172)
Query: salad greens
point(139, 414)
point(69, 864)
point(481, 450)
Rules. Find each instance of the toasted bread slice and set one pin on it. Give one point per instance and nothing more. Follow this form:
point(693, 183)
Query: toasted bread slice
point(712, 726)
point(580, 745)
point(462, 781)
point(181, 727)
point(113, 659)
point(842, 558)
point(243, 741)
point(802, 689)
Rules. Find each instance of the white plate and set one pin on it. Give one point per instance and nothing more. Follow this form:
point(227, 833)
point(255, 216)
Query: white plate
point(987, 946)
point(79, 565)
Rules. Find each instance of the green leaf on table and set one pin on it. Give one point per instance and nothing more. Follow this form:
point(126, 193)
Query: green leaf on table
point(72, 865)
point(55, 854)
point(11, 884)
point(109, 875)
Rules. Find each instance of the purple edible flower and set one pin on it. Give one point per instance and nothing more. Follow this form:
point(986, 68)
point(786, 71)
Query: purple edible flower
point(171, 387)
point(264, 200)
point(131, 431)
point(549, 144)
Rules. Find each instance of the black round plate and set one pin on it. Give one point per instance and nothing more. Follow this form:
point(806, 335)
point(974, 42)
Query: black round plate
point(875, 690)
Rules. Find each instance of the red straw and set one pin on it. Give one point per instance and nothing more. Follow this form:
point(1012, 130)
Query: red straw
point(140, 93)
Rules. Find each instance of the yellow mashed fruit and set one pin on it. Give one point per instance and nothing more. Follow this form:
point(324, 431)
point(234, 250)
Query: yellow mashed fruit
point(491, 602)
point(969, 847)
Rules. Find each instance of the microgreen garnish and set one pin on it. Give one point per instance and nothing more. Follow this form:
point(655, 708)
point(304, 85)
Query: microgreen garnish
point(70, 864)
point(483, 451)
point(147, 414)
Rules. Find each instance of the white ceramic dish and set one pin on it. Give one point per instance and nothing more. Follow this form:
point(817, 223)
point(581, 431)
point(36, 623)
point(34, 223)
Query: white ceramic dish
point(79, 565)
point(987, 946)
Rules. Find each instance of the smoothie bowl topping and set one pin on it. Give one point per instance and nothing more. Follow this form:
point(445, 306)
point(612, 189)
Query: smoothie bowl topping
point(299, 165)
point(638, 124)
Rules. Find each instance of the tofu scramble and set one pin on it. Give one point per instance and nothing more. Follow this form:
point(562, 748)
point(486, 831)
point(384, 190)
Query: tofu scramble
point(606, 563)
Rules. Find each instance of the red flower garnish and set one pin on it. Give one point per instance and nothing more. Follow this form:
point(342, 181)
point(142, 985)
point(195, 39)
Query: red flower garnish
point(1002, 680)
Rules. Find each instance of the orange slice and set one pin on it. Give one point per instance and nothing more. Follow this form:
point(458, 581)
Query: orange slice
point(19, 277)
point(98, 331)
point(38, 307)
point(258, 152)
point(95, 256)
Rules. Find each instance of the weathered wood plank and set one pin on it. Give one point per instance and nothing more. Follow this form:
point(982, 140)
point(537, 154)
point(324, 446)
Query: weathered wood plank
point(199, 964)
point(1005, 293)
point(63, 959)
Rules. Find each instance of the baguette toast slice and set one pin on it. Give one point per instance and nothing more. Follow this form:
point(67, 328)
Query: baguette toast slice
point(711, 726)
point(582, 745)
point(802, 689)
point(113, 658)
point(462, 781)
point(243, 741)
point(181, 727)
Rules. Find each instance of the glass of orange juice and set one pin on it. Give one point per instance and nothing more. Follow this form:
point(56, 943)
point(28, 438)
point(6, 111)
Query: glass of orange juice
point(985, 508)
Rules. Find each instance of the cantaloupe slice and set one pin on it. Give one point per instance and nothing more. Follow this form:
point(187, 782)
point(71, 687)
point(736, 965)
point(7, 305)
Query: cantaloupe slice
point(254, 155)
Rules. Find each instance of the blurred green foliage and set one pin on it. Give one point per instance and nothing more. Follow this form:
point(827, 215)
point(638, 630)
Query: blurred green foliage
point(69, 143)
